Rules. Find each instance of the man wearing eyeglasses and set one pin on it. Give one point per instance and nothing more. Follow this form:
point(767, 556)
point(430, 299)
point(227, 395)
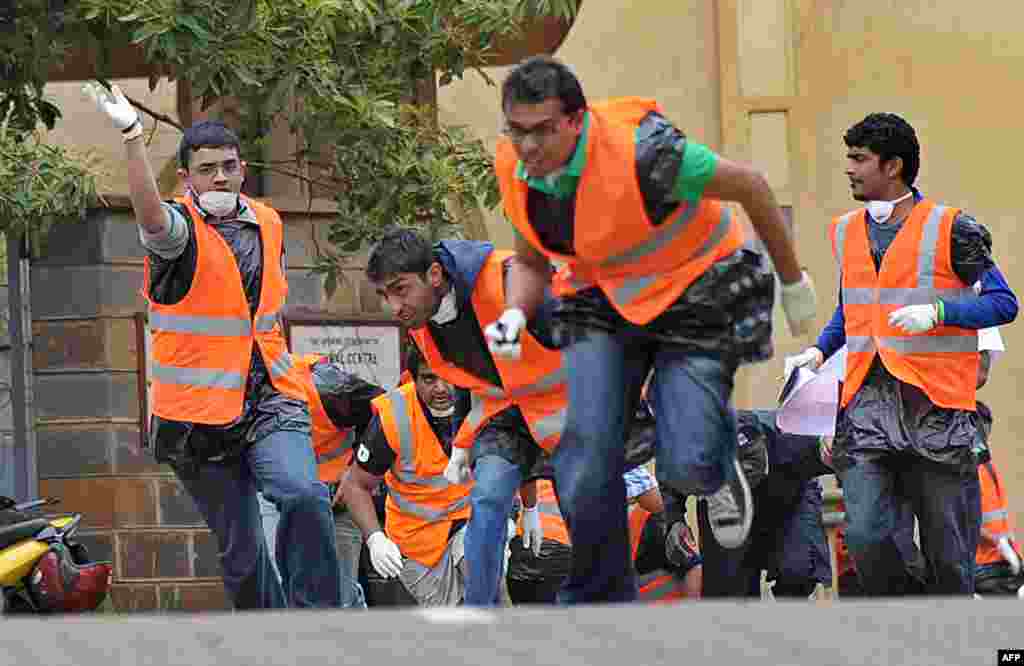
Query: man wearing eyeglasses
point(653, 274)
point(230, 413)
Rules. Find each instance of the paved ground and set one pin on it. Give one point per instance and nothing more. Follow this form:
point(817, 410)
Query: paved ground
point(930, 633)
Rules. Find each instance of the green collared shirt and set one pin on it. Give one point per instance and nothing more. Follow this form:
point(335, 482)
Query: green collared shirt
point(696, 169)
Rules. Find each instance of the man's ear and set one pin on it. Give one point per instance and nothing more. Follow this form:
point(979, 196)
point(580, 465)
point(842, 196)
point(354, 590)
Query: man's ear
point(435, 275)
point(894, 167)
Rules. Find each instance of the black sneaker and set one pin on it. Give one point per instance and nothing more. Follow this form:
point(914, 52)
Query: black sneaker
point(731, 510)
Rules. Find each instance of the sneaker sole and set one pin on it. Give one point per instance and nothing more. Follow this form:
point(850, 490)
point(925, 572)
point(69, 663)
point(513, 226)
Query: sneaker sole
point(748, 515)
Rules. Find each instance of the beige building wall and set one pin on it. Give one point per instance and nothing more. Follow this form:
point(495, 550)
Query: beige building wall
point(777, 82)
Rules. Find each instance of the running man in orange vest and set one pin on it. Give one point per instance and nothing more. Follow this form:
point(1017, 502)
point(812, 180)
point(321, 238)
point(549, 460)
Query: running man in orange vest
point(999, 555)
point(229, 405)
point(409, 444)
point(339, 406)
point(909, 317)
point(442, 294)
point(653, 273)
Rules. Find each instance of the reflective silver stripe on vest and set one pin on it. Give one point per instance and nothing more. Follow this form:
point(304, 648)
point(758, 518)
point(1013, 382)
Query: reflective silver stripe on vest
point(281, 366)
point(426, 513)
point(221, 326)
point(550, 509)
point(914, 344)
point(338, 451)
point(265, 323)
point(542, 385)
point(841, 235)
point(898, 296)
point(632, 287)
point(405, 470)
point(549, 425)
point(223, 379)
point(662, 236)
point(929, 247)
point(992, 516)
point(476, 412)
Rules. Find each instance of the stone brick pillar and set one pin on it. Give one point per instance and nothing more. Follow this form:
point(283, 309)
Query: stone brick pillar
point(86, 357)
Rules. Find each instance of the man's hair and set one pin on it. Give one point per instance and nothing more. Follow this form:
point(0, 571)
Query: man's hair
point(414, 361)
point(541, 78)
point(888, 136)
point(399, 250)
point(205, 134)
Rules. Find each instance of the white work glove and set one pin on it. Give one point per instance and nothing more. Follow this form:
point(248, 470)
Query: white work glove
point(113, 103)
point(503, 335)
point(457, 470)
point(533, 532)
point(915, 318)
point(810, 358)
point(384, 555)
point(1009, 554)
point(800, 304)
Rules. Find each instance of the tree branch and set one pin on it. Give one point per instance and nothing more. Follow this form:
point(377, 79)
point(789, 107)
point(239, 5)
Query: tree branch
point(294, 174)
point(155, 114)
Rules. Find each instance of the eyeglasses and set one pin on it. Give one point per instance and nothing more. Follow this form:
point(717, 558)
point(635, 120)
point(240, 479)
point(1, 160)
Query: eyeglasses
point(540, 132)
point(229, 167)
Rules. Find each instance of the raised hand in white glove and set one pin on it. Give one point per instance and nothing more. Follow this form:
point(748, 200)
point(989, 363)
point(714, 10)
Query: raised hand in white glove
point(533, 531)
point(800, 304)
point(915, 318)
point(113, 103)
point(457, 470)
point(503, 335)
point(810, 358)
point(1009, 554)
point(384, 555)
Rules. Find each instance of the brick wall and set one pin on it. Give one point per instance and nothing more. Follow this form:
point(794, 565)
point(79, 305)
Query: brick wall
point(86, 359)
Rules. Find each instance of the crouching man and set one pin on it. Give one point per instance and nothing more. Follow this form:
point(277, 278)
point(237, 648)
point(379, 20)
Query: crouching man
point(408, 444)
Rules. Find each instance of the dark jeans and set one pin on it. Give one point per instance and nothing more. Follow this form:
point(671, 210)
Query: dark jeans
point(787, 539)
point(283, 467)
point(875, 485)
point(696, 442)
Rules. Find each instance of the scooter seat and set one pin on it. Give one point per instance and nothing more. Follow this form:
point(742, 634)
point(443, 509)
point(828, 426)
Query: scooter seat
point(12, 534)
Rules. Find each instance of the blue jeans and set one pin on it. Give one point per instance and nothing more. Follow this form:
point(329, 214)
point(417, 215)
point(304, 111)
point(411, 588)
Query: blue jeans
point(349, 542)
point(696, 442)
point(496, 481)
point(876, 487)
point(283, 467)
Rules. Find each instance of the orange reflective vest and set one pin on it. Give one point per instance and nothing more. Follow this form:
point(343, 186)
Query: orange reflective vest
point(421, 504)
point(535, 382)
point(550, 515)
point(995, 514)
point(657, 586)
point(202, 345)
point(332, 446)
point(642, 268)
point(916, 269)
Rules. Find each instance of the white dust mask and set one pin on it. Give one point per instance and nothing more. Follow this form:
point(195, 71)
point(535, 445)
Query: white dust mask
point(881, 211)
point(217, 203)
point(441, 413)
point(448, 310)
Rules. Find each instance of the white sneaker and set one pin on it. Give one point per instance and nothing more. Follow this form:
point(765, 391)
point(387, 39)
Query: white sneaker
point(731, 510)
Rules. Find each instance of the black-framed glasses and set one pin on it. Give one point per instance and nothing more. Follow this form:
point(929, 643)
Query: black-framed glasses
point(229, 167)
point(540, 132)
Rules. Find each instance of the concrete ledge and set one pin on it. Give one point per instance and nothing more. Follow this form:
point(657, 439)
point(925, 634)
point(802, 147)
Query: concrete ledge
point(930, 632)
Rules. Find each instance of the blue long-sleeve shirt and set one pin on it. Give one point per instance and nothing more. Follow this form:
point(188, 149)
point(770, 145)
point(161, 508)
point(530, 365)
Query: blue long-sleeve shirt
point(995, 305)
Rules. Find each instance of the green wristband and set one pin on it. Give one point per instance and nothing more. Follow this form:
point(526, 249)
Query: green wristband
point(940, 310)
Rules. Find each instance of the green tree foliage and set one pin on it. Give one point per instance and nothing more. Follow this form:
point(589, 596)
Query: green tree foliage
point(352, 78)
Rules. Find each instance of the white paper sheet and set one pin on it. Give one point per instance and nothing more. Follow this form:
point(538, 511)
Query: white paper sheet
point(811, 406)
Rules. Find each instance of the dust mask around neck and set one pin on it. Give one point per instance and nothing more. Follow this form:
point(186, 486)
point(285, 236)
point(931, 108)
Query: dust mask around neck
point(881, 211)
point(441, 413)
point(218, 204)
point(448, 310)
